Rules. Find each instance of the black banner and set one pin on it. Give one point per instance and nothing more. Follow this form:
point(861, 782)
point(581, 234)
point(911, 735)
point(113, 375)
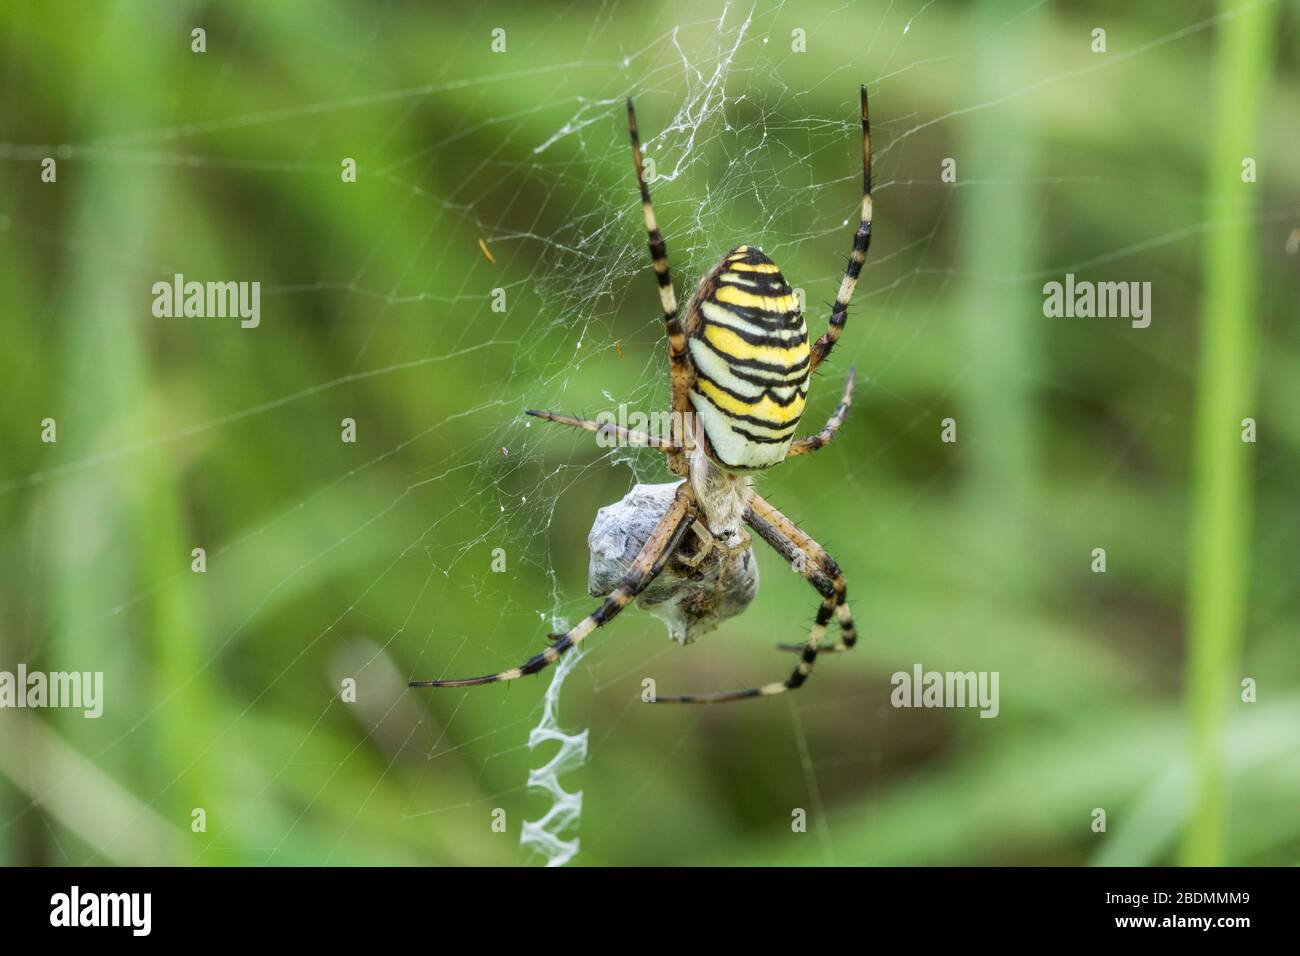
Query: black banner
point(686, 905)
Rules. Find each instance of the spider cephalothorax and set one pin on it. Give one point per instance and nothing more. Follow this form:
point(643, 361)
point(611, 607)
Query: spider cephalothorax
point(740, 365)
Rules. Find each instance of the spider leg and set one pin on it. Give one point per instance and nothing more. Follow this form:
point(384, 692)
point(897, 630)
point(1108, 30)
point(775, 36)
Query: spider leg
point(625, 436)
point(645, 567)
point(811, 443)
point(809, 558)
point(861, 241)
point(677, 361)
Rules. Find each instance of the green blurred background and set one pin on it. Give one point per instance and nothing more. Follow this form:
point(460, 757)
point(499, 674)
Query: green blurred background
point(372, 560)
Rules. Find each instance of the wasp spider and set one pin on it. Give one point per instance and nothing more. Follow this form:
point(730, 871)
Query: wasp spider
point(740, 367)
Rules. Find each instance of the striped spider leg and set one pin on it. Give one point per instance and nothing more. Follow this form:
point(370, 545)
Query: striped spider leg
point(861, 242)
point(678, 362)
point(820, 570)
point(811, 443)
point(645, 567)
point(625, 436)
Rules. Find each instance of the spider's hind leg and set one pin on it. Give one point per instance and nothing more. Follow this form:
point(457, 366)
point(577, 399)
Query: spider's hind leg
point(820, 570)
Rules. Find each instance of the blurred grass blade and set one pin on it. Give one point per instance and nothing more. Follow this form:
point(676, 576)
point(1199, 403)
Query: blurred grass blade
point(1221, 501)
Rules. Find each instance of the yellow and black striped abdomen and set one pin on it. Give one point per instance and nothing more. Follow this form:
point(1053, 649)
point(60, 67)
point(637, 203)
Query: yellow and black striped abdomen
point(749, 348)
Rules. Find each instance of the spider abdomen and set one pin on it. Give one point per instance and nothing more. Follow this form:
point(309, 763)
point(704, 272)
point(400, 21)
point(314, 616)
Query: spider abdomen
point(749, 350)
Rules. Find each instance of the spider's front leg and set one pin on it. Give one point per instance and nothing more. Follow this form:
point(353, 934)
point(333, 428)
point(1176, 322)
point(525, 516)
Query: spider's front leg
point(645, 567)
point(857, 256)
point(820, 570)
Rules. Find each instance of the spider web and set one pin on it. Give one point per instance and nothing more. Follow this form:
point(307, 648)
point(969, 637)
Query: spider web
point(742, 134)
